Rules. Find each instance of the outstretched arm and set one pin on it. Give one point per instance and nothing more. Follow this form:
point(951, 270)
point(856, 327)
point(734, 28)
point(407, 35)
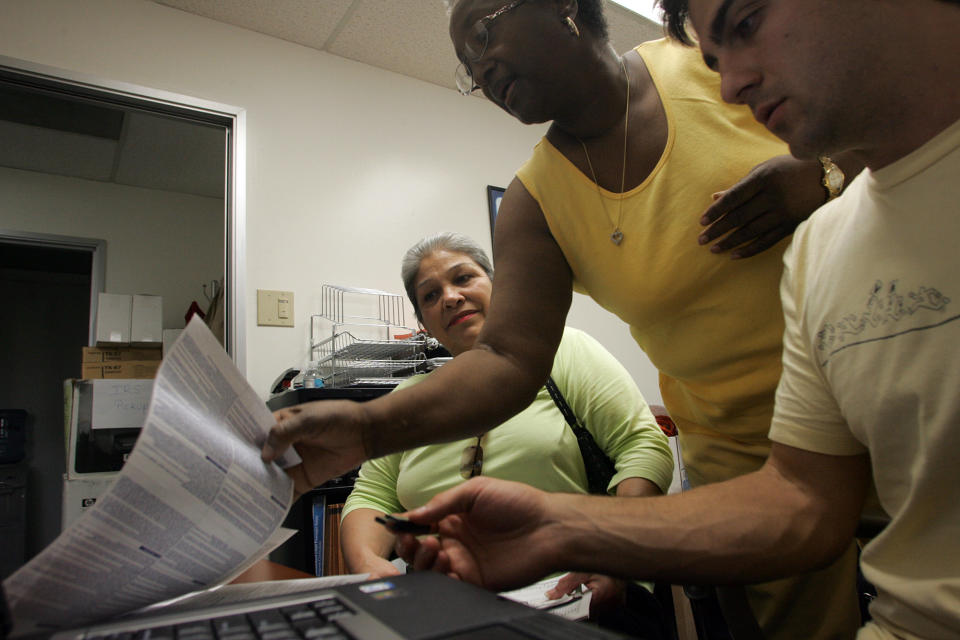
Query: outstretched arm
point(796, 513)
point(476, 390)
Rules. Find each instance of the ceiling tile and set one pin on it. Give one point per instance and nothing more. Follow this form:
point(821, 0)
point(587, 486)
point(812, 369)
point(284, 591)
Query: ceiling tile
point(58, 152)
point(172, 155)
point(307, 22)
point(405, 37)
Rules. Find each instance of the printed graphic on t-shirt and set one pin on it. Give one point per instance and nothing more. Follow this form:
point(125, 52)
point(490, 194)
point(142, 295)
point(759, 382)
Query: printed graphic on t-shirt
point(888, 313)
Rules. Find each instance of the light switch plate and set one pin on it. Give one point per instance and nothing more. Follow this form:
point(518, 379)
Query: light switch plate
point(274, 308)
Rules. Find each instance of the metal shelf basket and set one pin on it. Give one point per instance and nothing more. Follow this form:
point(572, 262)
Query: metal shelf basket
point(335, 305)
point(354, 338)
point(344, 360)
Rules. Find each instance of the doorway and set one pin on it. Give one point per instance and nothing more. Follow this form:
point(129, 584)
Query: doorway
point(45, 286)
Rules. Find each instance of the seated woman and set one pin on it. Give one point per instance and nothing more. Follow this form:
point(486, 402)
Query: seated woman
point(448, 279)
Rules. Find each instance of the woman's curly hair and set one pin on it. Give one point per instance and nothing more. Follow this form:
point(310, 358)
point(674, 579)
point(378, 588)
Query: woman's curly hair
point(589, 14)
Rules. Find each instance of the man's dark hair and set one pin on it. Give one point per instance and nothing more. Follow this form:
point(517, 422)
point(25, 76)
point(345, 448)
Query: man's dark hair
point(675, 14)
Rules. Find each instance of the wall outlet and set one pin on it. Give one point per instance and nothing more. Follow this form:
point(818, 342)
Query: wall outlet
point(274, 308)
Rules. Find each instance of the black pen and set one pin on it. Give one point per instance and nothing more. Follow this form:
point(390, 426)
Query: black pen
point(402, 525)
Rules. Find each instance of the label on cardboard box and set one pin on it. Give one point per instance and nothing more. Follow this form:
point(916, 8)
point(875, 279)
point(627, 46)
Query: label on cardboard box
point(137, 369)
point(118, 354)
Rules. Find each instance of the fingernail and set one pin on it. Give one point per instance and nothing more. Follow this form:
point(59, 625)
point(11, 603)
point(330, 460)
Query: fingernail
point(267, 453)
point(702, 240)
point(715, 249)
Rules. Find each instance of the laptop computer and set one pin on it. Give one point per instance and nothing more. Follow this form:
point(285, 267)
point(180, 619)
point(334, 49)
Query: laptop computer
point(415, 606)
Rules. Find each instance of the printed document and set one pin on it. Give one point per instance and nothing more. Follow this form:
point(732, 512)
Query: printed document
point(193, 505)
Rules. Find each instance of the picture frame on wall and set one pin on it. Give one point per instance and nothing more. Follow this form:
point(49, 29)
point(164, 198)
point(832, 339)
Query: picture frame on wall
point(494, 196)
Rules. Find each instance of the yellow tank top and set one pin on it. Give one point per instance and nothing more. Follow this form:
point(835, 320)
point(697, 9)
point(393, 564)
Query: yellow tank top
point(712, 326)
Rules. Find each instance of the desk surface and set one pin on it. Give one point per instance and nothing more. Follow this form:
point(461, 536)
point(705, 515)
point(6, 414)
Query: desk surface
point(265, 570)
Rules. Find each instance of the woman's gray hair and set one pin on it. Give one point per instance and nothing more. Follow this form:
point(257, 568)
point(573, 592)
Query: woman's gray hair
point(448, 241)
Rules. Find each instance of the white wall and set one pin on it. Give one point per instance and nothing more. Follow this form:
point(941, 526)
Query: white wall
point(142, 227)
point(348, 165)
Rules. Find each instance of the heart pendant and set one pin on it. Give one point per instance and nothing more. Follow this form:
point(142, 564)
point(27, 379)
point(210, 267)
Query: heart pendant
point(616, 237)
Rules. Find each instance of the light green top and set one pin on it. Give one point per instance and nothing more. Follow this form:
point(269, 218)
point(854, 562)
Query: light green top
point(536, 446)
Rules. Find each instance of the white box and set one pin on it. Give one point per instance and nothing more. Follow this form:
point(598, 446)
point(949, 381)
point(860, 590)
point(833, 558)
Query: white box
point(113, 319)
point(80, 495)
point(169, 337)
point(146, 321)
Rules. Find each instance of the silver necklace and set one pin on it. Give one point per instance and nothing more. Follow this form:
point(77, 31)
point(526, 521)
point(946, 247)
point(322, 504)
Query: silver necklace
point(617, 236)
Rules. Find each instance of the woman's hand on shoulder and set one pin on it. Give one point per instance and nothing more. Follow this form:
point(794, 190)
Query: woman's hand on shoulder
point(764, 207)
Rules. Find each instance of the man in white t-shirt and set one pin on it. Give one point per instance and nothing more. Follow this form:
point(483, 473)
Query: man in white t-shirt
point(871, 297)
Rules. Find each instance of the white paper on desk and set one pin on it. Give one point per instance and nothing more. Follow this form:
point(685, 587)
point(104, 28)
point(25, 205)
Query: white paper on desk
point(574, 606)
point(193, 502)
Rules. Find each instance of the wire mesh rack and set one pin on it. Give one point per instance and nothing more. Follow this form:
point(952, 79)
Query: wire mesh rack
point(344, 360)
point(336, 306)
point(356, 341)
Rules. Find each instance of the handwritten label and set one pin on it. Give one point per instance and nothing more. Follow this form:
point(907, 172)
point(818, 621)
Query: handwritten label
point(120, 404)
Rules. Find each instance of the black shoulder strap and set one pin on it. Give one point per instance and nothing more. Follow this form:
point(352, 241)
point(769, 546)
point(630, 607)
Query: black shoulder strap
point(598, 465)
point(561, 403)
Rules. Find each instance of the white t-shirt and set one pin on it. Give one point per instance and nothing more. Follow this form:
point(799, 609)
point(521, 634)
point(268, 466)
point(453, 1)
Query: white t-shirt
point(871, 298)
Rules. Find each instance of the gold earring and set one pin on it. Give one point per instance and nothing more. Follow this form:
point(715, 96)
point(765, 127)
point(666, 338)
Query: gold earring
point(572, 26)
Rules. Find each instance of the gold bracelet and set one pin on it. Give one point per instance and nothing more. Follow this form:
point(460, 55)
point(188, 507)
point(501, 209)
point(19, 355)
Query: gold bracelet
point(832, 179)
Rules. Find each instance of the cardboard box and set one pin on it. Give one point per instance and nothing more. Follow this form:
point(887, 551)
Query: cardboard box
point(113, 318)
point(80, 495)
point(146, 321)
point(118, 354)
point(135, 369)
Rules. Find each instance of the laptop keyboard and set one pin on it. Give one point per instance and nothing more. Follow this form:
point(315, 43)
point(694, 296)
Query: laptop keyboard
point(308, 621)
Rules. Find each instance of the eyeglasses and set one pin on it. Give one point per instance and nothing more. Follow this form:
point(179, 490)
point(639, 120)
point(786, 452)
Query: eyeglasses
point(471, 460)
point(476, 45)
